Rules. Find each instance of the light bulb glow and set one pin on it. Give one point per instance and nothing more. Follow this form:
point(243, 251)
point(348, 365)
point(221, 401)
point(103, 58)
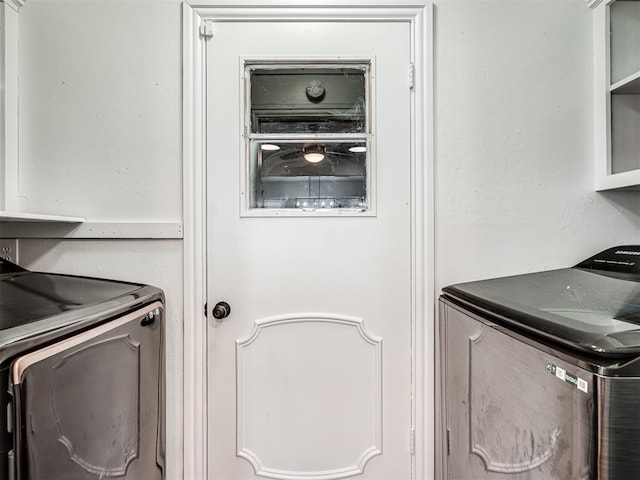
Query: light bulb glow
point(314, 157)
point(270, 147)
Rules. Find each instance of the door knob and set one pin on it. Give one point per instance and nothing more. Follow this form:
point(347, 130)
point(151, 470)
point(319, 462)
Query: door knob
point(221, 310)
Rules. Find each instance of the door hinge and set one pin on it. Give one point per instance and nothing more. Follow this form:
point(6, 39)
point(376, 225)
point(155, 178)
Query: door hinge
point(412, 441)
point(206, 313)
point(412, 76)
point(206, 29)
point(448, 442)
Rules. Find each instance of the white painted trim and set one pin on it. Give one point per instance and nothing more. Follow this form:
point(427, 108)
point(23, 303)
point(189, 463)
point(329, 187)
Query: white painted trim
point(36, 217)
point(194, 455)
point(369, 136)
point(67, 229)
point(321, 13)
point(424, 246)
point(602, 151)
point(596, 3)
point(14, 4)
point(9, 107)
point(420, 14)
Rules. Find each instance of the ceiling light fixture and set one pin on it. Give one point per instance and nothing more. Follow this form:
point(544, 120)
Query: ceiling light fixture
point(314, 155)
point(270, 147)
point(358, 149)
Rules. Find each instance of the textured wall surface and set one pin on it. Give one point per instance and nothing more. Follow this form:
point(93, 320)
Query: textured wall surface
point(101, 109)
point(514, 142)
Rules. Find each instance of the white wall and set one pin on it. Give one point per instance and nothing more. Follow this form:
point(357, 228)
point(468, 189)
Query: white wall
point(100, 137)
point(100, 109)
point(514, 149)
point(2, 98)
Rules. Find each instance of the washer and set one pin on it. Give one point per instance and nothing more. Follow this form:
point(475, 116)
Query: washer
point(540, 373)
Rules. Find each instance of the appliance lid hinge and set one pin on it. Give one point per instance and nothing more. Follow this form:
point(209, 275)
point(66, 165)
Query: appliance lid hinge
point(412, 76)
point(206, 29)
point(412, 441)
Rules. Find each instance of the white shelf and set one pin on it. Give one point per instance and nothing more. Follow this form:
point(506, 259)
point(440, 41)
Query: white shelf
point(624, 181)
point(37, 218)
point(630, 84)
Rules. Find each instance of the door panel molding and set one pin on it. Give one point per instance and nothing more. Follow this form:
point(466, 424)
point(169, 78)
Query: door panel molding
point(351, 471)
point(419, 14)
point(263, 323)
point(320, 341)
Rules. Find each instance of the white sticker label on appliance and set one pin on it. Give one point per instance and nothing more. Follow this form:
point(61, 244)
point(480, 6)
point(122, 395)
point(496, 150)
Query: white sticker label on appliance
point(583, 385)
point(560, 373)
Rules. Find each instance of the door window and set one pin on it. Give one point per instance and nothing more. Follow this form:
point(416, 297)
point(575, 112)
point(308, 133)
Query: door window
point(308, 138)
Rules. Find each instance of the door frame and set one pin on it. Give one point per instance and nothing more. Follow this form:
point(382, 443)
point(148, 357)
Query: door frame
point(419, 14)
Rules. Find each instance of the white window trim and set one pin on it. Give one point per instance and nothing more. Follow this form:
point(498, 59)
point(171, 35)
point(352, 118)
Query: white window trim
point(369, 137)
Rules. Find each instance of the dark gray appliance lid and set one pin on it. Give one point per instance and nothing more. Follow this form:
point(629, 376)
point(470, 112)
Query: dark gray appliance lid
point(8, 267)
point(621, 262)
point(593, 307)
point(27, 297)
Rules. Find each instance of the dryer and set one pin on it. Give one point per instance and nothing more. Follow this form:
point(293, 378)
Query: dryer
point(81, 377)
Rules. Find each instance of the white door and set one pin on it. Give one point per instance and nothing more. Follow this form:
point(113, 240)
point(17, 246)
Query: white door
point(309, 376)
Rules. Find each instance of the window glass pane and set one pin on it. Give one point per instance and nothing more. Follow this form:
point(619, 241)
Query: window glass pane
point(308, 175)
point(307, 135)
point(308, 100)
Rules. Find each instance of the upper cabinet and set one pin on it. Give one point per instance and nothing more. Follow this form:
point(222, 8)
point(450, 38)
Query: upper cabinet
point(617, 70)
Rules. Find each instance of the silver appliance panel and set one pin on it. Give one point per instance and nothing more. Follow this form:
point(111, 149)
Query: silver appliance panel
point(87, 407)
point(515, 408)
point(94, 374)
